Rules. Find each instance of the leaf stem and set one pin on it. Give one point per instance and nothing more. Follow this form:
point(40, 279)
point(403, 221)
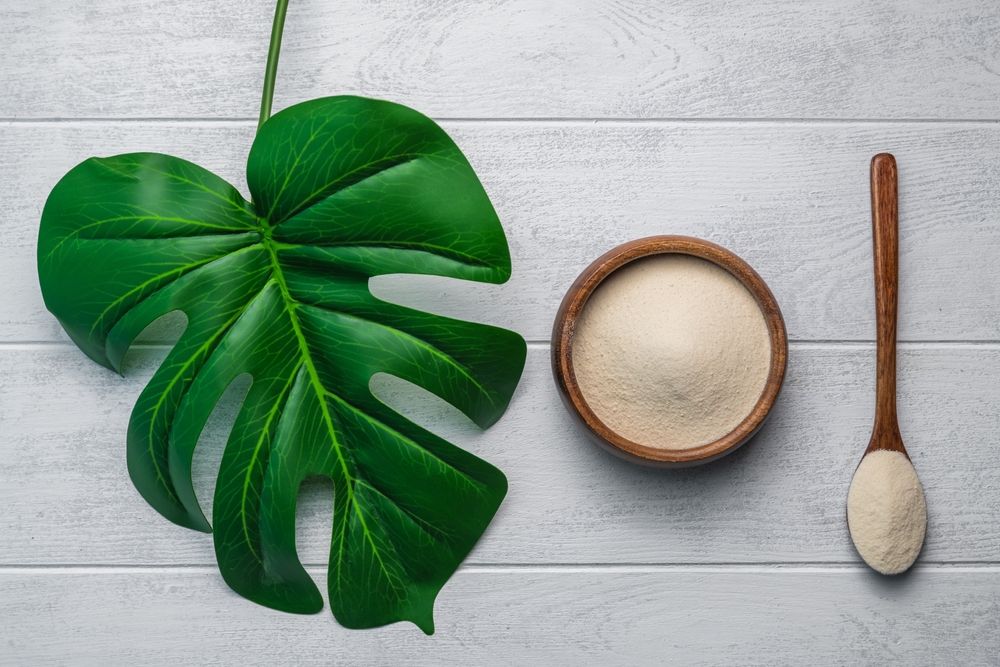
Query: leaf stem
point(272, 62)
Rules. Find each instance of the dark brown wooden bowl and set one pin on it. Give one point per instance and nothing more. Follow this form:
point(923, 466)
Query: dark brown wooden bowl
point(573, 304)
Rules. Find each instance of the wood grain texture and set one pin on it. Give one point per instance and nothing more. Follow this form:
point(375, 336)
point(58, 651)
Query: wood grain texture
point(568, 192)
point(533, 616)
point(885, 250)
point(507, 58)
point(661, 566)
point(778, 499)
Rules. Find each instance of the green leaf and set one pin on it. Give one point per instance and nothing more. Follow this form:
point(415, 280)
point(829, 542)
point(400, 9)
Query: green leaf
point(344, 188)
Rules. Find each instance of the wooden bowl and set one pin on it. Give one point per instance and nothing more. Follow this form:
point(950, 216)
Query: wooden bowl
point(573, 304)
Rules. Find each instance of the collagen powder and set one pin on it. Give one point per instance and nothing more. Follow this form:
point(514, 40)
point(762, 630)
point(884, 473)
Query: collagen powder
point(671, 351)
point(886, 511)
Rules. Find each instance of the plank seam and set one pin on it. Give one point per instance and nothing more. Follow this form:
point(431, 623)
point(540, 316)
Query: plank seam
point(568, 120)
point(541, 344)
point(562, 568)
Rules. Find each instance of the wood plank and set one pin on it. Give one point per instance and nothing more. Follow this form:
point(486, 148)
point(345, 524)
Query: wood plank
point(791, 199)
point(544, 616)
point(512, 59)
point(67, 497)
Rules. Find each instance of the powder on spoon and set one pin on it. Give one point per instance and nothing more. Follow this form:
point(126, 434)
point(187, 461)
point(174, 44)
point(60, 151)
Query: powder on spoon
point(671, 351)
point(886, 511)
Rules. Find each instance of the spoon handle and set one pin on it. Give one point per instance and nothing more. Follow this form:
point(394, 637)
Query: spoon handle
point(885, 233)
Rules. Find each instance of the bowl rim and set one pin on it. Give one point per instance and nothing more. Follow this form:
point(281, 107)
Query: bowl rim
point(572, 306)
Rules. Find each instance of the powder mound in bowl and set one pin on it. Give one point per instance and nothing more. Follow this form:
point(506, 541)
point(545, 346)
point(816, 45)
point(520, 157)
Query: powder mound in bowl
point(886, 511)
point(671, 351)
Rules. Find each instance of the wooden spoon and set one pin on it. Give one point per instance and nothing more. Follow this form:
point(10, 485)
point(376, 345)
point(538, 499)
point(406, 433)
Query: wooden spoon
point(886, 510)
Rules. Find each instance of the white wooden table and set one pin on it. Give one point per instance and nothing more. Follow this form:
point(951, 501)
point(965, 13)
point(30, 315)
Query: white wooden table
point(590, 123)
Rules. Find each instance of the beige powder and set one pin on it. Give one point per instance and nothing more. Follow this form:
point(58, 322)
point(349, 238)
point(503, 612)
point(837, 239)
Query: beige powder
point(886, 511)
point(671, 351)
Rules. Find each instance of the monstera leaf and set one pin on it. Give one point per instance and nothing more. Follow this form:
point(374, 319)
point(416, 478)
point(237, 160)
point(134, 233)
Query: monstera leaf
point(344, 188)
